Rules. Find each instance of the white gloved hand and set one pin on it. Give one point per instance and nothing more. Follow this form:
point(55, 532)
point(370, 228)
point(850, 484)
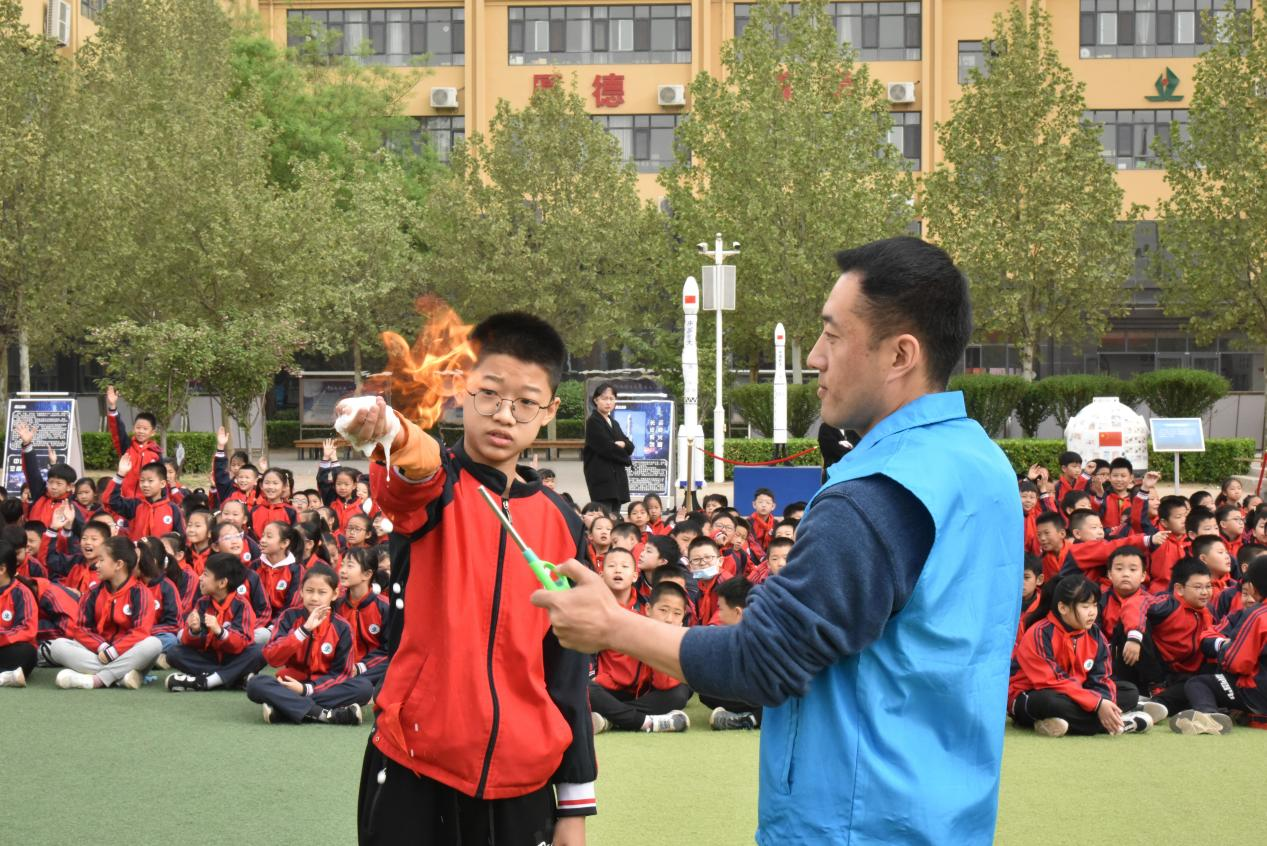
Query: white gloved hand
point(350, 408)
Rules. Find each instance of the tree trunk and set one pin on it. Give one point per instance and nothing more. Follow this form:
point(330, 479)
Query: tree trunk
point(356, 365)
point(264, 416)
point(754, 371)
point(1262, 441)
point(24, 360)
point(4, 370)
point(798, 378)
point(1027, 359)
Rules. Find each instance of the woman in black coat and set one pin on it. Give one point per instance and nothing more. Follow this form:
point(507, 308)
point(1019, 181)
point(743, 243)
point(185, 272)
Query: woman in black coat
point(606, 453)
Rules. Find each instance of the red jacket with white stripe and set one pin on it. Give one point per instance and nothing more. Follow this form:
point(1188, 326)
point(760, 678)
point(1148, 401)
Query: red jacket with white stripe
point(19, 615)
point(365, 618)
point(321, 659)
point(116, 619)
point(1073, 662)
point(237, 626)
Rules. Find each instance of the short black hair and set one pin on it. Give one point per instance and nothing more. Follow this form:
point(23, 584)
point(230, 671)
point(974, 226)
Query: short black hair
point(1203, 544)
point(1256, 574)
point(665, 547)
point(720, 499)
point(9, 558)
point(1186, 568)
point(1199, 497)
point(1249, 552)
point(1169, 504)
point(1072, 498)
point(1127, 551)
point(628, 530)
point(762, 492)
point(158, 468)
point(1078, 518)
point(790, 522)
point(910, 285)
point(148, 417)
point(668, 571)
point(779, 543)
point(596, 506)
point(620, 550)
point(62, 470)
point(1034, 564)
point(602, 388)
point(702, 541)
point(522, 336)
point(799, 505)
point(1026, 486)
point(15, 535)
point(1121, 463)
point(684, 527)
point(224, 565)
point(11, 510)
point(663, 589)
point(1225, 511)
point(546, 473)
point(1196, 517)
point(734, 591)
point(1069, 457)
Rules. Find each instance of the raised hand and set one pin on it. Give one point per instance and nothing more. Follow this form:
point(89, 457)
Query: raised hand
point(125, 465)
point(25, 432)
point(112, 398)
point(1151, 478)
point(328, 450)
point(222, 439)
point(63, 516)
point(316, 617)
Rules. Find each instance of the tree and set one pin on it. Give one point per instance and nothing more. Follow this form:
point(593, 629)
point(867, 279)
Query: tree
point(787, 153)
point(1213, 264)
point(1024, 200)
point(541, 214)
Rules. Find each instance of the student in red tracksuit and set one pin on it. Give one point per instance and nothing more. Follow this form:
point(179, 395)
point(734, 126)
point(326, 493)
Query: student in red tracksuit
point(153, 513)
point(235, 511)
point(1231, 527)
point(216, 647)
point(112, 642)
point(46, 496)
point(19, 622)
point(278, 571)
point(1123, 622)
point(229, 538)
point(1051, 532)
point(23, 539)
point(1172, 517)
point(1031, 593)
point(338, 488)
point(656, 523)
point(762, 517)
point(1212, 551)
point(733, 561)
point(1062, 673)
point(509, 749)
point(657, 552)
point(600, 539)
point(1031, 508)
point(179, 572)
point(1125, 506)
point(138, 448)
point(1090, 552)
point(705, 562)
point(313, 651)
point(629, 695)
point(74, 565)
point(731, 714)
point(154, 569)
point(364, 610)
point(58, 609)
point(1241, 651)
point(1071, 476)
point(271, 506)
point(1176, 624)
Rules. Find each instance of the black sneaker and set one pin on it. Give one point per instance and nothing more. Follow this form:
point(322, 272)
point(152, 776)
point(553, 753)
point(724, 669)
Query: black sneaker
point(348, 715)
point(723, 720)
point(181, 682)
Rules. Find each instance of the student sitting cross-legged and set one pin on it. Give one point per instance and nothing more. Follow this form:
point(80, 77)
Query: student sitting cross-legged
point(217, 647)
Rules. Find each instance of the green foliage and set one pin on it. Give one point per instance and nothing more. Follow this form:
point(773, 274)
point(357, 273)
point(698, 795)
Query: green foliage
point(1024, 200)
point(282, 434)
point(990, 399)
point(1070, 394)
point(571, 396)
point(200, 447)
point(1223, 457)
point(785, 150)
point(98, 451)
point(1035, 406)
point(755, 403)
point(1180, 393)
point(803, 407)
point(569, 428)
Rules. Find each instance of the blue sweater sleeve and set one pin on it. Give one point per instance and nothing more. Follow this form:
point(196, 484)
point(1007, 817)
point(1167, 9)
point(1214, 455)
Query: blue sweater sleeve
point(858, 554)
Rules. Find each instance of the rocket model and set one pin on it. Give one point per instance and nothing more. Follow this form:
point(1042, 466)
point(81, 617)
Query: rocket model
point(690, 438)
point(780, 392)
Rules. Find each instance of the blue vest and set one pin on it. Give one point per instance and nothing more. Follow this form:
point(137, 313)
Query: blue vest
point(902, 743)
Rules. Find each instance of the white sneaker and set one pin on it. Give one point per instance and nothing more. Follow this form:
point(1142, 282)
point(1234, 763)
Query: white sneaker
point(1052, 727)
point(69, 679)
point(600, 723)
point(1136, 722)
point(268, 713)
point(132, 680)
point(1155, 710)
point(1192, 722)
point(13, 678)
point(161, 663)
point(672, 721)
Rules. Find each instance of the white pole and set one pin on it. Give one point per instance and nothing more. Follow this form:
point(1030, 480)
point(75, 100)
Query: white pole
point(1176, 473)
point(779, 435)
point(719, 422)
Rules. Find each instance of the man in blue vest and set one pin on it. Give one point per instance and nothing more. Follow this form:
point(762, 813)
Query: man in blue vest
point(881, 651)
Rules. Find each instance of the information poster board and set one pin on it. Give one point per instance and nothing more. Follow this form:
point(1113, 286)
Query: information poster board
point(319, 393)
point(56, 425)
point(1177, 434)
point(649, 423)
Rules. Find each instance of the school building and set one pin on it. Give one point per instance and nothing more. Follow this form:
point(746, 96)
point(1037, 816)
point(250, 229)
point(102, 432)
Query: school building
point(634, 62)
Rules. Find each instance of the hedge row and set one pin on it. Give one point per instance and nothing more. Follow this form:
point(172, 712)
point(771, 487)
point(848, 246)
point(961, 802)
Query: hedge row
point(1223, 457)
point(99, 451)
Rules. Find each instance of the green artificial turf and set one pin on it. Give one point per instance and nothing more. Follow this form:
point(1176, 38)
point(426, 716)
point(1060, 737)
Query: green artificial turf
point(151, 767)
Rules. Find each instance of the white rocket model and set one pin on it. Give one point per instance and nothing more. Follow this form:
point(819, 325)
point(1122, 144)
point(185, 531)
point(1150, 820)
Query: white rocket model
point(780, 390)
point(690, 438)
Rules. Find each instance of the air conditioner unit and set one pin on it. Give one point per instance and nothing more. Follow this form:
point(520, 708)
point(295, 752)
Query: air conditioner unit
point(901, 92)
point(57, 22)
point(444, 98)
point(671, 95)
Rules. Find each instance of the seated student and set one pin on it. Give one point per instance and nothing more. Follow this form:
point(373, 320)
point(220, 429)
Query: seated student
point(19, 622)
point(1031, 593)
point(600, 539)
point(1200, 521)
point(714, 501)
point(1202, 499)
point(625, 536)
point(1231, 599)
point(591, 511)
point(242, 487)
point(359, 532)
point(229, 538)
point(743, 540)
point(1061, 682)
point(794, 510)
point(313, 649)
point(734, 561)
point(682, 533)
point(154, 570)
point(620, 574)
point(1212, 551)
point(180, 573)
point(1122, 621)
point(112, 643)
point(1175, 626)
point(338, 484)
point(656, 552)
point(1230, 493)
point(85, 495)
point(1241, 651)
point(153, 513)
point(278, 571)
point(1250, 502)
point(1231, 524)
point(31, 557)
point(18, 538)
point(46, 496)
point(656, 523)
point(271, 505)
point(628, 695)
point(138, 449)
point(1124, 508)
point(1090, 552)
point(198, 526)
point(680, 576)
point(704, 560)
point(1031, 508)
point(727, 715)
point(314, 499)
point(786, 528)
point(235, 513)
point(640, 518)
point(216, 647)
point(363, 609)
point(776, 559)
point(762, 517)
point(75, 565)
point(1172, 517)
point(1071, 476)
point(175, 490)
point(1256, 526)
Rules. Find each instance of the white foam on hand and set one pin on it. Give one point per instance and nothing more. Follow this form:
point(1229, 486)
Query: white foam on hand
point(349, 408)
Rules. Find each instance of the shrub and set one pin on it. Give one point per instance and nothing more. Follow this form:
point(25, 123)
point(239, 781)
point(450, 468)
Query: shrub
point(571, 400)
point(1034, 407)
point(283, 433)
point(1070, 394)
point(803, 407)
point(99, 451)
point(1180, 393)
point(568, 428)
point(755, 404)
point(990, 399)
point(1223, 457)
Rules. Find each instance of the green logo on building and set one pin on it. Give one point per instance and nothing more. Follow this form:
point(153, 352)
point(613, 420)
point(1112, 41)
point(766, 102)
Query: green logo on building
point(1166, 85)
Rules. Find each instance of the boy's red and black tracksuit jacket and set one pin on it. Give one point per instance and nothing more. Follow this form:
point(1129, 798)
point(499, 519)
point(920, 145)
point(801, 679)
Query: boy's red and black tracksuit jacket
point(266, 512)
point(320, 660)
point(1176, 628)
point(223, 486)
point(42, 505)
point(1162, 561)
point(146, 518)
point(1130, 612)
point(19, 615)
point(1091, 559)
point(237, 627)
point(252, 590)
point(141, 454)
point(186, 586)
point(762, 528)
point(1063, 486)
point(343, 508)
point(280, 581)
point(1054, 657)
point(58, 610)
point(195, 560)
point(1027, 608)
point(479, 694)
point(1227, 602)
point(365, 618)
point(621, 673)
point(116, 619)
point(1128, 510)
point(1239, 646)
point(32, 568)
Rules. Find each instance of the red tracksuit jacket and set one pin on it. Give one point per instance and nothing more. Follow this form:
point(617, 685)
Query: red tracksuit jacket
point(1129, 612)
point(1227, 602)
point(119, 619)
point(269, 512)
point(762, 528)
point(141, 454)
point(1026, 610)
point(58, 610)
point(479, 695)
point(42, 505)
point(253, 592)
point(1130, 508)
point(320, 660)
point(365, 619)
point(186, 588)
point(1176, 628)
point(1075, 663)
point(237, 627)
point(1243, 655)
point(1091, 558)
point(1162, 561)
point(19, 615)
point(167, 606)
point(280, 581)
point(146, 518)
point(196, 560)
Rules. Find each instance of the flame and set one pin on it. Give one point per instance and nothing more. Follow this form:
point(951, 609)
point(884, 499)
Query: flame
point(421, 380)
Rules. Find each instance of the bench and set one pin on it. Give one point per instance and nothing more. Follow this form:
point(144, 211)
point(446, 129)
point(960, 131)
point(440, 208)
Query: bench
point(557, 445)
point(315, 446)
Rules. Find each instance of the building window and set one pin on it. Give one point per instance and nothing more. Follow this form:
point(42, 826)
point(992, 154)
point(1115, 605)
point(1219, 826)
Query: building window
point(599, 35)
point(972, 56)
point(878, 31)
point(396, 37)
point(1130, 135)
point(91, 8)
point(1146, 29)
point(442, 132)
point(645, 140)
point(905, 135)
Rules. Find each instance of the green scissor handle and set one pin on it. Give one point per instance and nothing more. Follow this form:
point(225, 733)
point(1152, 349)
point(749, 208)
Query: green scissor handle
point(545, 572)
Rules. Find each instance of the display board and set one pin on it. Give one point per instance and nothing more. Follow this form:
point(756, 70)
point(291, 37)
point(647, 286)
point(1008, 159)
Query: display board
point(1177, 434)
point(649, 422)
point(318, 395)
point(56, 425)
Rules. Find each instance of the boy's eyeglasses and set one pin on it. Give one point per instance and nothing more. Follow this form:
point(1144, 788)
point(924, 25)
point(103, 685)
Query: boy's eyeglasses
point(489, 403)
point(705, 560)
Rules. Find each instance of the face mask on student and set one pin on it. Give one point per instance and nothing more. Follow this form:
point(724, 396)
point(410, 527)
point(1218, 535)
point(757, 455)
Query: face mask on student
point(705, 575)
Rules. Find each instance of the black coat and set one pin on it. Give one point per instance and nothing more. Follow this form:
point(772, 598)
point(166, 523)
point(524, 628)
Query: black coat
point(605, 462)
